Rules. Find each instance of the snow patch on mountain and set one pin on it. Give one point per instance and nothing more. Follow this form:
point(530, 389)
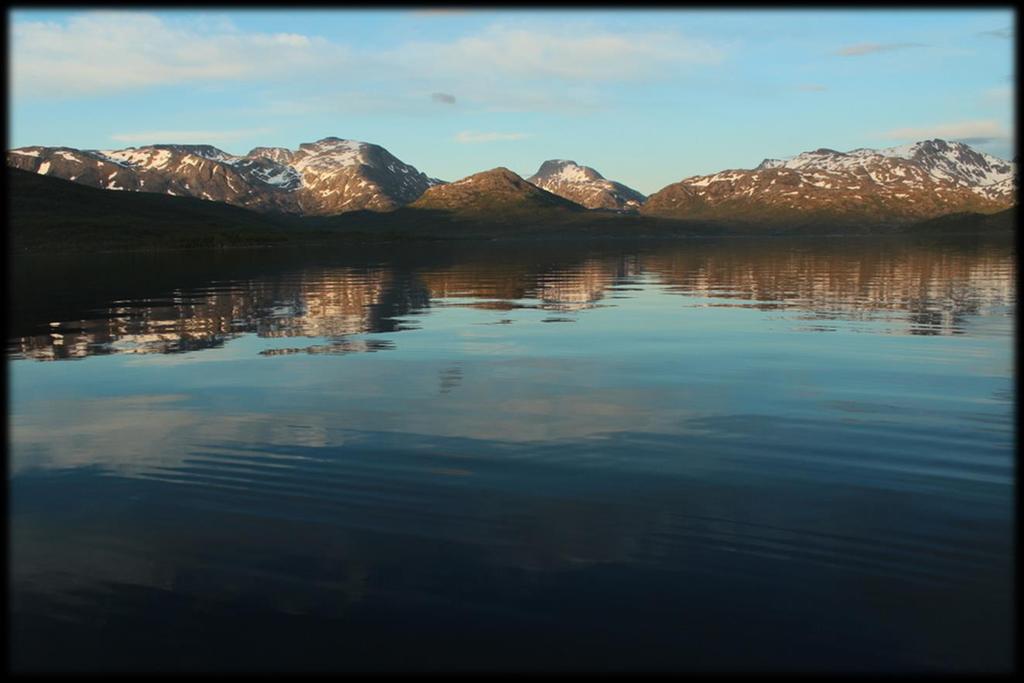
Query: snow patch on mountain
point(585, 186)
point(956, 162)
point(331, 175)
point(328, 156)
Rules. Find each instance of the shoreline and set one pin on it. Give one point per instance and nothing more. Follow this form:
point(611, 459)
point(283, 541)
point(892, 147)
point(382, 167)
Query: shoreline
point(343, 240)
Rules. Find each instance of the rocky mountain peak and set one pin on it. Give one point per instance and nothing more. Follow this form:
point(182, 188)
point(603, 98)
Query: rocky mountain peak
point(564, 170)
point(331, 142)
point(281, 155)
point(205, 151)
point(960, 163)
point(956, 162)
point(328, 154)
point(585, 186)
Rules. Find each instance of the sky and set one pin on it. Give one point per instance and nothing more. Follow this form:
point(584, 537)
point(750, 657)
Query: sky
point(645, 97)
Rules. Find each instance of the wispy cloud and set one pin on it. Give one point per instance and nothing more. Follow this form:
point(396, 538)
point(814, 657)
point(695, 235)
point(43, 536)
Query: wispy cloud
point(511, 66)
point(188, 136)
point(530, 66)
point(812, 87)
point(1005, 33)
point(967, 131)
point(468, 137)
point(501, 51)
point(871, 48)
point(106, 51)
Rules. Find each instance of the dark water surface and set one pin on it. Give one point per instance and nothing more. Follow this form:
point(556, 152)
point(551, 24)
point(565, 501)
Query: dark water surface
point(737, 454)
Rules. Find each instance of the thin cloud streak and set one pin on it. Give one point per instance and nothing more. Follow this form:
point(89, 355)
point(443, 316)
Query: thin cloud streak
point(1004, 33)
point(505, 52)
point(870, 48)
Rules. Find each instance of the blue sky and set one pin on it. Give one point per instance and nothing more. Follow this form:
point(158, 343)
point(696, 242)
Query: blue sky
point(645, 97)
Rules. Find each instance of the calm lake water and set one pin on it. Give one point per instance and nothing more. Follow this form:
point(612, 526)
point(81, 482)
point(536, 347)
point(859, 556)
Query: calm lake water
point(748, 454)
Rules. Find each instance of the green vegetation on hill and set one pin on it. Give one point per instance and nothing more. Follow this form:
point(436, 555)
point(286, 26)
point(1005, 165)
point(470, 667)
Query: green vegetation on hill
point(956, 223)
point(50, 214)
point(62, 215)
point(498, 193)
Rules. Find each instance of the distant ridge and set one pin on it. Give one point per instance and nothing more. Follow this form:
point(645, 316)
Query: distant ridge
point(898, 185)
point(983, 173)
point(334, 176)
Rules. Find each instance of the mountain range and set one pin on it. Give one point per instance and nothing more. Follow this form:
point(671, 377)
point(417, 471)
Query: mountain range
point(326, 177)
point(49, 214)
point(332, 176)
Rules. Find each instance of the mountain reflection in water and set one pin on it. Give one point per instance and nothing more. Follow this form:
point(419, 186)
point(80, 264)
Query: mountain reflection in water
point(388, 459)
point(920, 290)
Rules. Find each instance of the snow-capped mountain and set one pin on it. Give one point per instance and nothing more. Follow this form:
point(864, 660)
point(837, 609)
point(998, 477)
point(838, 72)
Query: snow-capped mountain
point(329, 176)
point(585, 186)
point(985, 174)
point(333, 175)
point(344, 175)
point(911, 182)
